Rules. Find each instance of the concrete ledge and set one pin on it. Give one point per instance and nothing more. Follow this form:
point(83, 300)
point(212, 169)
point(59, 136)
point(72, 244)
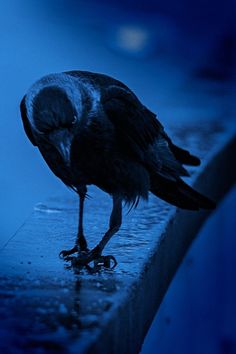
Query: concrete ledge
point(46, 308)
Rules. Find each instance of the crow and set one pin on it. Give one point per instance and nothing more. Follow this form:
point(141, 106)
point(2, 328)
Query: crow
point(91, 129)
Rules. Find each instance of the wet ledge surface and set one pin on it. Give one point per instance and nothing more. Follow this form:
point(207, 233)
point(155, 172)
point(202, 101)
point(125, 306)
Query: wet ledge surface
point(48, 307)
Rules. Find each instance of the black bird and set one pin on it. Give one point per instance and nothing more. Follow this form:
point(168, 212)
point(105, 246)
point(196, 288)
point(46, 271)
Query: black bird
point(92, 129)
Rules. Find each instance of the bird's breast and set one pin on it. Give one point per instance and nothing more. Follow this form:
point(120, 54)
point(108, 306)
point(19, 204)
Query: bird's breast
point(100, 162)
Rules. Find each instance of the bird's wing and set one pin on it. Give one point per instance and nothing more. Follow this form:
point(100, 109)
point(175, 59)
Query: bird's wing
point(133, 122)
point(140, 132)
point(26, 123)
point(145, 135)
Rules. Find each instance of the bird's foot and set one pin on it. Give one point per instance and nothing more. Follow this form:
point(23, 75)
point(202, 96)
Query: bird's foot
point(85, 257)
point(95, 256)
point(76, 249)
point(108, 261)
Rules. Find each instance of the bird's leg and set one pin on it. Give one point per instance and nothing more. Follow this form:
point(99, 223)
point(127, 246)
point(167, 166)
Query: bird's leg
point(80, 243)
point(114, 225)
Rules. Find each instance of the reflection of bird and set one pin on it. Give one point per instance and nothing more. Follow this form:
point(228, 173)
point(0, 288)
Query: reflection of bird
point(91, 129)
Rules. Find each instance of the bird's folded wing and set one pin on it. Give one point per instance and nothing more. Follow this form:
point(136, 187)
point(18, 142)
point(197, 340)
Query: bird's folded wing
point(140, 132)
point(133, 122)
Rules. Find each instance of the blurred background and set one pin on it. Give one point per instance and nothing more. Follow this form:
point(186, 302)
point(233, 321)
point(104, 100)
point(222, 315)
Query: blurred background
point(179, 58)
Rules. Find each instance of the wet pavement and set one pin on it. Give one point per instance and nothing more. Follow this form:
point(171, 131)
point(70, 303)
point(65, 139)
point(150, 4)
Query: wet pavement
point(49, 306)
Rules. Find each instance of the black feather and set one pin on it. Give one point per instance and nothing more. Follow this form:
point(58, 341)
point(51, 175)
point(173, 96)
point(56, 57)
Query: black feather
point(179, 194)
point(184, 156)
point(26, 122)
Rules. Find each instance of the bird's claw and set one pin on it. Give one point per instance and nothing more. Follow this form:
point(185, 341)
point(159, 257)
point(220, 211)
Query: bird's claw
point(99, 261)
point(86, 257)
point(65, 254)
point(105, 261)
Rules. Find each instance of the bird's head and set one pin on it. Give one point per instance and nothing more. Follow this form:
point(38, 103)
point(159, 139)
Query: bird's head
point(54, 119)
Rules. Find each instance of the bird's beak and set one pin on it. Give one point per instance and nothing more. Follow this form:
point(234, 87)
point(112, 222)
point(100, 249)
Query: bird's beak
point(61, 139)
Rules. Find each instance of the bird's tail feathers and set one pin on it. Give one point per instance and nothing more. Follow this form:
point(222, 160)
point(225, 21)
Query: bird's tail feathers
point(180, 194)
point(184, 156)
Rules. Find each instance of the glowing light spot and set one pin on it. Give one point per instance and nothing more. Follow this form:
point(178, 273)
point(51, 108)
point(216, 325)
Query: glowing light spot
point(133, 39)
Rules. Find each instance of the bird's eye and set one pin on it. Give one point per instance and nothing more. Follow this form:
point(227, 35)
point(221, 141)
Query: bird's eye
point(74, 120)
